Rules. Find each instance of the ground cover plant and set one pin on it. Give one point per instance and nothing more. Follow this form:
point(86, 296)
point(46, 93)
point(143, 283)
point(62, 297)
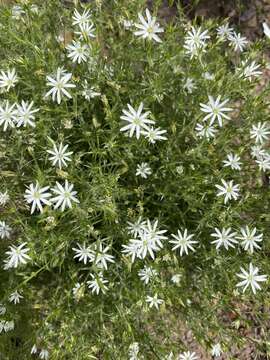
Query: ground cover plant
point(134, 191)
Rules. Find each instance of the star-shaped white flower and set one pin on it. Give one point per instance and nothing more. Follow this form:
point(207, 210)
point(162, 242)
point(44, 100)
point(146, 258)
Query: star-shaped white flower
point(238, 42)
point(79, 19)
point(249, 239)
point(86, 31)
point(64, 196)
point(224, 238)
point(17, 255)
point(37, 196)
point(59, 85)
point(8, 115)
point(78, 52)
point(215, 110)
point(97, 283)
point(15, 297)
point(260, 132)
point(5, 230)
point(154, 134)
point(250, 278)
point(228, 190)
point(188, 356)
point(148, 28)
point(143, 170)
point(8, 80)
point(136, 119)
point(233, 161)
point(195, 41)
point(60, 156)
point(183, 241)
point(84, 253)
point(101, 256)
point(154, 301)
point(25, 114)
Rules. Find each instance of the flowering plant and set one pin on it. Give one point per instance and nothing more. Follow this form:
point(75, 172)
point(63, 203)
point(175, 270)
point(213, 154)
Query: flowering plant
point(135, 190)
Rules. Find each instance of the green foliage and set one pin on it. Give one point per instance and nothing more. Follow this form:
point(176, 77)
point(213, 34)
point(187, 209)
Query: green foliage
point(180, 193)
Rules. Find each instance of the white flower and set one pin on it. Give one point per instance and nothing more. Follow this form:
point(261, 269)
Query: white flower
point(170, 356)
point(205, 130)
point(89, 93)
point(216, 350)
point(144, 245)
point(37, 196)
point(250, 278)
point(25, 114)
point(147, 273)
point(8, 80)
point(86, 31)
point(176, 279)
point(229, 190)
point(154, 134)
point(260, 132)
point(137, 227)
point(59, 85)
point(34, 349)
point(149, 241)
point(208, 76)
point(143, 170)
point(79, 19)
point(44, 354)
point(4, 198)
point(2, 310)
point(224, 31)
point(97, 284)
point(17, 255)
point(257, 152)
point(149, 28)
point(133, 249)
point(183, 241)
point(7, 326)
point(76, 289)
point(5, 230)
point(64, 196)
point(136, 120)
point(101, 256)
point(188, 356)
point(2, 323)
point(128, 23)
point(266, 30)
point(237, 41)
point(250, 239)
point(133, 351)
point(154, 301)
point(17, 12)
point(84, 253)
point(195, 41)
point(249, 70)
point(8, 116)
point(189, 85)
point(15, 297)
point(215, 110)
point(224, 238)
point(59, 155)
point(264, 163)
point(78, 52)
point(233, 162)
point(151, 230)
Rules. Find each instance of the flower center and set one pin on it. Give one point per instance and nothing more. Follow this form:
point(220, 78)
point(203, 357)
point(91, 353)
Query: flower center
point(137, 121)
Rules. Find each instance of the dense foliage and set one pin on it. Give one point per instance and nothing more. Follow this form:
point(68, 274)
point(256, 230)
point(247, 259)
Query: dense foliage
point(96, 265)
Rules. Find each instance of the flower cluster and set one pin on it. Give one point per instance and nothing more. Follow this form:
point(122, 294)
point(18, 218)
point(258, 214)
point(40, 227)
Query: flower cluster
point(163, 131)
